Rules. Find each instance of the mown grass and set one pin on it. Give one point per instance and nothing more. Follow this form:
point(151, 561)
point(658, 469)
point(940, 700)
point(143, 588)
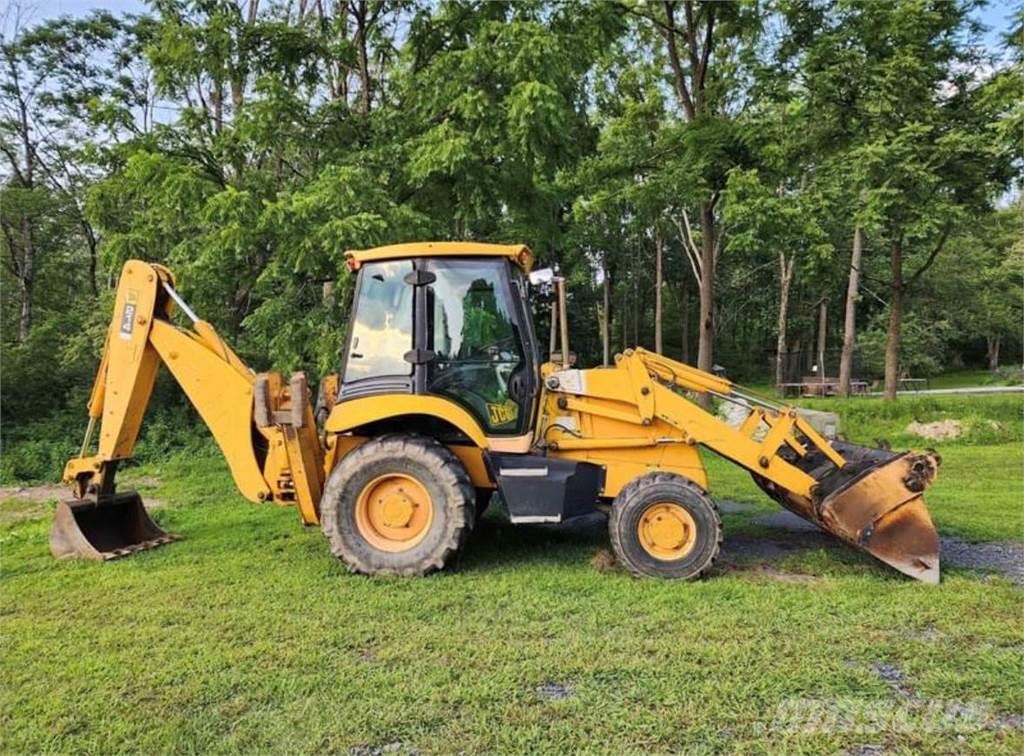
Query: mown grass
point(248, 636)
point(984, 420)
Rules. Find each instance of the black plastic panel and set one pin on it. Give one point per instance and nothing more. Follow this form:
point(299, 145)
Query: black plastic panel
point(545, 489)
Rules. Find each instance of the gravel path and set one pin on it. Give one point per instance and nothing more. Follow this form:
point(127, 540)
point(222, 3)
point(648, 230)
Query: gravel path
point(964, 390)
point(1004, 557)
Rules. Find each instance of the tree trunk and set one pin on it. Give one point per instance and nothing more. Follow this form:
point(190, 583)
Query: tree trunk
point(785, 279)
point(993, 351)
point(606, 288)
point(850, 316)
point(26, 278)
point(659, 246)
point(26, 270)
point(328, 293)
point(892, 342)
point(364, 63)
point(684, 323)
point(217, 99)
point(822, 336)
point(705, 343)
point(553, 336)
point(636, 313)
point(625, 316)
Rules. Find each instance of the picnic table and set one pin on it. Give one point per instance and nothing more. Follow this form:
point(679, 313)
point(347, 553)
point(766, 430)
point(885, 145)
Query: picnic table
point(914, 384)
point(812, 385)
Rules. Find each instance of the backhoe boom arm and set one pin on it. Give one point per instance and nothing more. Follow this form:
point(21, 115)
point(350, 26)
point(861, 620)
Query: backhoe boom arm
point(217, 382)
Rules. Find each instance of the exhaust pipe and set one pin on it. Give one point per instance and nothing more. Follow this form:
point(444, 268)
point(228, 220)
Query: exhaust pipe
point(104, 528)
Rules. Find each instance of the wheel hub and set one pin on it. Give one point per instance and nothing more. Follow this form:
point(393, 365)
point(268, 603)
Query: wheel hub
point(394, 512)
point(667, 531)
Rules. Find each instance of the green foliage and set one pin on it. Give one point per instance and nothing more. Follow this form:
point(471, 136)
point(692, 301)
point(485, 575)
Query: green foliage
point(247, 148)
point(922, 347)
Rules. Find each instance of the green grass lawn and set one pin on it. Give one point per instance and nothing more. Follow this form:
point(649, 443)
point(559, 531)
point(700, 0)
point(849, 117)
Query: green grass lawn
point(248, 636)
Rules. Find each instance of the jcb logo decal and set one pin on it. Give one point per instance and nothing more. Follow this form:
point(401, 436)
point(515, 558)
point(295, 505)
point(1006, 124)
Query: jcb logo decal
point(503, 414)
point(131, 300)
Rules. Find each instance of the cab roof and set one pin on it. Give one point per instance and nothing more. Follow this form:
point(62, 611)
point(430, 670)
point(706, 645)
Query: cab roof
point(520, 254)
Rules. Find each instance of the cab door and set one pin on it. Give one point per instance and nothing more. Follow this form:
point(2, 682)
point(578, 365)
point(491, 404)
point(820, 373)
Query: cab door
point(480, 341)
point(380, 339)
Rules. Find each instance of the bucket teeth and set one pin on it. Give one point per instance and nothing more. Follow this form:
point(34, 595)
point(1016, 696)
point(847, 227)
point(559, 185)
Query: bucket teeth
point(103, 529)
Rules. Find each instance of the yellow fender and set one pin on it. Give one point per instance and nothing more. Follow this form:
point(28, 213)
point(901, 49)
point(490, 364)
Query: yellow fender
point(353, 413)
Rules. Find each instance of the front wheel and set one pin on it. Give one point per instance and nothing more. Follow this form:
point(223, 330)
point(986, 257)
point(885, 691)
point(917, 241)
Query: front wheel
point(663, 525)
point(398, 505)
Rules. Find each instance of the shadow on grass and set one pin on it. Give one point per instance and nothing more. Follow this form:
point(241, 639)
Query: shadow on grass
point(497, 545)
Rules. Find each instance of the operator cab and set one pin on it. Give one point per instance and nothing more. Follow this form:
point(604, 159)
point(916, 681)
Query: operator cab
point(449, 320)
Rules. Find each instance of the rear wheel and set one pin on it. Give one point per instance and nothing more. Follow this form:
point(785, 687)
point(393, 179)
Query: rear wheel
point(398, 505)
point(663, 525)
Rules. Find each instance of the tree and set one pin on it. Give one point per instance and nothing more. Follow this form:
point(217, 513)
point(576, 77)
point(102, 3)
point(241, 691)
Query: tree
point(702, 42)
point(50, 78)
point(899, 85)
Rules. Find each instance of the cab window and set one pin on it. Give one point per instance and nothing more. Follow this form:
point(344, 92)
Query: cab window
point(382, 323)
point(478, 359)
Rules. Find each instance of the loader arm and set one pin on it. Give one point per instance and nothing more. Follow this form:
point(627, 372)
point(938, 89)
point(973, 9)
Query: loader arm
point(219, 385)
point(870, 498)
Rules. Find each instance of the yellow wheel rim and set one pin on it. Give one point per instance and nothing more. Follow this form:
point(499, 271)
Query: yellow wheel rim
point(394, 512)
point(667, 531)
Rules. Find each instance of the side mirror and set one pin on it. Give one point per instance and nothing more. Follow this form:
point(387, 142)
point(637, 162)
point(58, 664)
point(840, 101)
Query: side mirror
point(542, 276)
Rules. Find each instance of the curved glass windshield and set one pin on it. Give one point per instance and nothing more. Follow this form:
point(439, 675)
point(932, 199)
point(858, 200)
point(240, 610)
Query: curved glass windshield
point(477, 349)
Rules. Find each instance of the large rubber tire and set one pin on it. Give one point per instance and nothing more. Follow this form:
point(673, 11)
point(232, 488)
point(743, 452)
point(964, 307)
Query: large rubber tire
point(432, 465)
point(652, 490)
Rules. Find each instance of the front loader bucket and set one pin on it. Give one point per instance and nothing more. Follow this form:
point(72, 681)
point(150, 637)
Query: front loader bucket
point(108, 528)
point(875, 503)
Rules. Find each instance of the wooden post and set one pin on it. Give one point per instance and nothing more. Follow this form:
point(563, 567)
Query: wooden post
point(563, 322)
point(822, 324)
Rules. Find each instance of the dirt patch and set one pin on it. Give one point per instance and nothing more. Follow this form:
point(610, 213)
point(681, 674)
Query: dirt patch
point(553, 691)
point(398, 748)
point(755, 555)
point(770, 573)
point(603, 561)
point(23, 503)
point(940, 430)
point(928, 633)
point(866, 750)
point(743, 548)
point(42, 493)
point(895, 678)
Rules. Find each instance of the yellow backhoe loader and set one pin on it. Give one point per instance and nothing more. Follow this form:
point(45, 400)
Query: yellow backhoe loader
point(442, 398)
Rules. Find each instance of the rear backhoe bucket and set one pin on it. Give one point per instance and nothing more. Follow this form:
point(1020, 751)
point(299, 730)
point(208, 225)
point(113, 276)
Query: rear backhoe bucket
point(108, 528)
point(875, 503)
